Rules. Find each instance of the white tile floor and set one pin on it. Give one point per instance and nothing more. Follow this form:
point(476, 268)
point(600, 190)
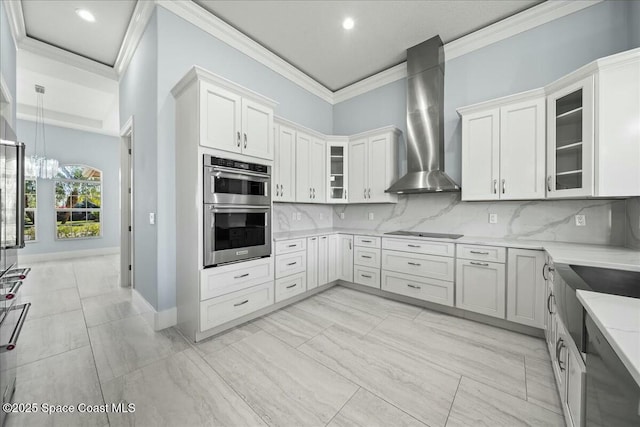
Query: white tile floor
point(340, 358)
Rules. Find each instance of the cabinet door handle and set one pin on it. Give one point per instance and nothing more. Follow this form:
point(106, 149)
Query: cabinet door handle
point(238, 139)
point(277, 190)
point(365, 276)
point(292, 286)
point(241, 276)
point(324, 237)
point(495, 186)
point(314, 193)
point(413, 286)
point(313, 238)
point(369, 193)
point(241, 303)
point(560, 347)
point(504, 186)
point(293, 245)
point(293, 263)
point(482, 264)
point(366, 241)
point(549, 183)
point(415, 264)
point(549, 303)
point(345, 194)
point(544, 270)
point(365, 193)
point(365, 256)
point(310, 192)
point(479, 252)
point(281, 189)
point(245, 140)
point(414, 246)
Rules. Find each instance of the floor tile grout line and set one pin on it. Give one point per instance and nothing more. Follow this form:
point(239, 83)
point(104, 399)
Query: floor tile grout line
point(372, 314)
point(453, 401)
point(526, 385)
point(393, 404)
point(343, 405)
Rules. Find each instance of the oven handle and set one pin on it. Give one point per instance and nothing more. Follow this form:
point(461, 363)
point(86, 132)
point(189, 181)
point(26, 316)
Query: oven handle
point(234, 173)
point(237, 208)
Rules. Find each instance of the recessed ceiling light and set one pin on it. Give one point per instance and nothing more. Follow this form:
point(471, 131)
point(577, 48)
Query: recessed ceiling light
point(86, 15)
point(348, 24)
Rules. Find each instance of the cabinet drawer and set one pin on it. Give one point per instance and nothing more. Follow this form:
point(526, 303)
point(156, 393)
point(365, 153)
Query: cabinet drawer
point(419, 246)
point(288, 246)
point(480, 287)
point(366, 276)
point(435, 267)
point(218, 281)
point(482, 253)
point(367, 241)
point(216, 311)
point(290, 286)
point(289, 264)
point(367, 257)
point(438, 291)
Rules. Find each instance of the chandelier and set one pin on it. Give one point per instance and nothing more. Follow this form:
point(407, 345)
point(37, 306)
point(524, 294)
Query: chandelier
point(39, 166)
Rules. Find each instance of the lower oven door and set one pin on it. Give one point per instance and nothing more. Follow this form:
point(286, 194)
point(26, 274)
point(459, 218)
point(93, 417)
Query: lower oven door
point(235, 233)
point(613, 396)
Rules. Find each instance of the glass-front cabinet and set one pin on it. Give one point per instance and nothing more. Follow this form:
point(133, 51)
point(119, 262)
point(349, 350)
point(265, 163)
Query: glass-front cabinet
point(337, 174)
point(570, 126)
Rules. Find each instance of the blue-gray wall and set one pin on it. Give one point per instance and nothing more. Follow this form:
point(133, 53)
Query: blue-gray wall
point(8, 58)
point(634, 23)
point(70, 146)
point(138, 99)
point(525, 61)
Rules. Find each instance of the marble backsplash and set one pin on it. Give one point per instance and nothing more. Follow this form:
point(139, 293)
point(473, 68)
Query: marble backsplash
point(633, 223)
point(532, 220)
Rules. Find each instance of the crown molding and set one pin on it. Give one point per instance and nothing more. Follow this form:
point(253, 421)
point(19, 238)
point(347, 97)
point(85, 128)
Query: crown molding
point(206, 21)
point(377, 80)
point(139, 20)
point(16, 20)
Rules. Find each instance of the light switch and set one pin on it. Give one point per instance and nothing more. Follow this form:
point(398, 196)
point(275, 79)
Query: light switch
point(152, 218)
point(581, 220)
point(370, 216)
point(493, 218)
point(341, 215)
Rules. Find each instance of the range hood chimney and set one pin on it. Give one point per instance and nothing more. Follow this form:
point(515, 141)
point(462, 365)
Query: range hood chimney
point(425, 120)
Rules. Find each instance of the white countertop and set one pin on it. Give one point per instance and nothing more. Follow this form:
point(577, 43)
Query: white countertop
point(564, 253)
point(618, 318)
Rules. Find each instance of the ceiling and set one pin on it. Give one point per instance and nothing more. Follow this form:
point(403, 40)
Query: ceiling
point(309, 34)
point(55, 22)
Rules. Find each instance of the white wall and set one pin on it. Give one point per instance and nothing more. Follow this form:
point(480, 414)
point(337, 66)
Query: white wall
point(8, 59)
point(70, 146)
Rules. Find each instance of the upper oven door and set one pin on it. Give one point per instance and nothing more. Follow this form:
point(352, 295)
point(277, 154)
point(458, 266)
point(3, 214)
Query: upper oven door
point(232, 187)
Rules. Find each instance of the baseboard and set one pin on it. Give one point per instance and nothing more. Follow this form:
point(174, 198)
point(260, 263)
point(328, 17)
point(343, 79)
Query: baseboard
point(157, 320)
point(54, 256)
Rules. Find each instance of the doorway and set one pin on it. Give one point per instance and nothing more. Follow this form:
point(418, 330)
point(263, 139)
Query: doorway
point(127, 231)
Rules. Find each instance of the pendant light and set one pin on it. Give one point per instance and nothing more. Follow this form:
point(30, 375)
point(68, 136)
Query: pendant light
point(37, 165)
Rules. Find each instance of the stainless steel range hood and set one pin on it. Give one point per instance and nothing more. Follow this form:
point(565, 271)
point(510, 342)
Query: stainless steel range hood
point(425, 122)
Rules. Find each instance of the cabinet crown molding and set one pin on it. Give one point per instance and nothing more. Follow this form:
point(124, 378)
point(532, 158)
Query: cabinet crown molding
point(497, 102)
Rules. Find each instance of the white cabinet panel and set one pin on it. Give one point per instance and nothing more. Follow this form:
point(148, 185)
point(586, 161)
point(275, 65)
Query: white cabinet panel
point(317, 170)
point(575, 385)
point(367, 276)
point(419, 246)
point(216, 311)
point(323, 260)
point(312, 262)
point(345, 264)
point(358, 170)
point(257, 125)
point(285, 165)
point(337, 175)
point(290, 286)
point(303, 183)
point(435, 267)
point(333, 257)
point(367, 241)
point(480, 287)
point(220, 118)
point(522, 150)
point(438, 291)
point(378, 168)
point(481, 155)
point(234, 277)
point(526, 287)
point(482, 253)
point(288, 246)
point(368, 257)
point(290, 264)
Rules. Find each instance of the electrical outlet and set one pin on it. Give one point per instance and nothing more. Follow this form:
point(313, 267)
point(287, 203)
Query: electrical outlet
point(493, 218)
point(370, 216)
point(341, 215)
point(321, 216)
point(152, 218)
point(299, 216)
point(581, 220)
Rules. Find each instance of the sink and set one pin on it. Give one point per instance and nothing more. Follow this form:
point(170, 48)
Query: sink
point(610, 281)
point(424, 234)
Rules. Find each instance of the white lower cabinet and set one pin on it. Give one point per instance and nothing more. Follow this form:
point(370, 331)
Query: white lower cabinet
point(480, 287)
point(526, 287)
point(345, 257)
point(219, 310)
point(234, 277)
point(367, 257)
point(333, 260)
point(289, 264)
point(323, 260)
point(290, 286)
point(312, 262)
point(428, 289)
point(575, 388)
point(435, 267)
point(367, 276)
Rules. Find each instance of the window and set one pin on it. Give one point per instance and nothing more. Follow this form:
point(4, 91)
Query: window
point(78, 195)
point(30, 204)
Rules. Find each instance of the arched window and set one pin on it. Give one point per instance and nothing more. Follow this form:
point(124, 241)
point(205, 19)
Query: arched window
point(78, 198)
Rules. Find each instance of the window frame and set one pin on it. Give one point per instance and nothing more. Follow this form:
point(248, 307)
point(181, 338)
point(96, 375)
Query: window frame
point(34, 209)
point(56, 210)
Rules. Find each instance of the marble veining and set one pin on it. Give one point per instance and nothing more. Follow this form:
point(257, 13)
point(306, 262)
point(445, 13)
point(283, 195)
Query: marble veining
point(311, 216)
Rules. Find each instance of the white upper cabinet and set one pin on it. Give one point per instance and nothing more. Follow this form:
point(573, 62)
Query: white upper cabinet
point(318, 172)
point(570, 140)
point(373, 166)
point(503, 148)
point(337, 175)
point(310, 169)
point(284, 171)
point(231, 122)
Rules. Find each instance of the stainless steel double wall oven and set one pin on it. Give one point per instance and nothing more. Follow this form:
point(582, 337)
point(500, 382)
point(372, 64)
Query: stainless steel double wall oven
point(237, 210)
